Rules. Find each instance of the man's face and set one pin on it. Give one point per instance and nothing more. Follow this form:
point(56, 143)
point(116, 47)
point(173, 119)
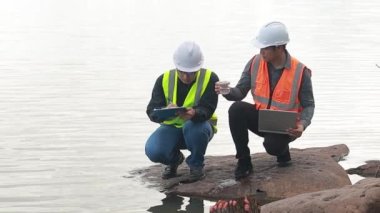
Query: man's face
point(269, 54)
point(186, 77)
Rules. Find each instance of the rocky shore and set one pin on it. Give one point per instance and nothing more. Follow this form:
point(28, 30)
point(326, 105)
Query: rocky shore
point(315, 182)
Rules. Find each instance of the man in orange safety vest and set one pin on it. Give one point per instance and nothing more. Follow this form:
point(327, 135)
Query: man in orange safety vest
point(277, 81)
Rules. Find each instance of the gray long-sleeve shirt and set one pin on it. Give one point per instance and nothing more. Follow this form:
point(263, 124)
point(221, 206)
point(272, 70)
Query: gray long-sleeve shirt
point(306, 97)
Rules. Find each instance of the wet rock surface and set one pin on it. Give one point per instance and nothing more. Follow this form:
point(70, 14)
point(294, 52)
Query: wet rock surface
point(370, 169)
point(313, 169)
point(364, 196)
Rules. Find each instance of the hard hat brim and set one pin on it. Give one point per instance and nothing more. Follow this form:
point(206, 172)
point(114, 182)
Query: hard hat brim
point(187, 69)
point(258, 44)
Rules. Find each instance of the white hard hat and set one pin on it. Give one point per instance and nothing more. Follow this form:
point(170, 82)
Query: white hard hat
point(271, 34)
point(188, 57)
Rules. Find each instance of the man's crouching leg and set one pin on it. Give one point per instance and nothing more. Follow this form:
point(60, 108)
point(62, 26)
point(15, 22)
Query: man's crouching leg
point(197, 135)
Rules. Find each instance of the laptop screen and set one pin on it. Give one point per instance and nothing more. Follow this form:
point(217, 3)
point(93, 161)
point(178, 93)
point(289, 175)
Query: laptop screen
point(276, 121)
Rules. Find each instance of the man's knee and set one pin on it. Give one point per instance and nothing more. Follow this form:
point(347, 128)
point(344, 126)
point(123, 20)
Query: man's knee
point(276, 144)
point(197, 130)
point(274, 148)
point(153, 152)
point(235, 109)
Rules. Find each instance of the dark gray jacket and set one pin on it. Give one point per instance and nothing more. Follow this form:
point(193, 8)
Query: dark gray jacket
point(240, 91)
point(203, 111)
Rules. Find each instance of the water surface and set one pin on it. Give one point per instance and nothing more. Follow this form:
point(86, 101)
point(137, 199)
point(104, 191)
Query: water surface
point(76, 76)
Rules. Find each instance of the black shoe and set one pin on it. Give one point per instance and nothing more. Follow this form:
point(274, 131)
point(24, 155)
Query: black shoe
point(243, 169)
point(284, 163)
point(195, 175)
point(170, 171)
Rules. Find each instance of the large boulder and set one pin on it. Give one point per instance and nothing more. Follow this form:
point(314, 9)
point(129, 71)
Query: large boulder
point(313, 169)
point(370, 169)
point(337, 152)
point(363, 197)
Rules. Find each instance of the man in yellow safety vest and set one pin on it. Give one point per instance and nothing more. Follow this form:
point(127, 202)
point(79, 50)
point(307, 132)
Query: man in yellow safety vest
point(191, 86)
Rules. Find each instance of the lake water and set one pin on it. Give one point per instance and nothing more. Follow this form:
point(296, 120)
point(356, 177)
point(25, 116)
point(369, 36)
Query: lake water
point(76, 76)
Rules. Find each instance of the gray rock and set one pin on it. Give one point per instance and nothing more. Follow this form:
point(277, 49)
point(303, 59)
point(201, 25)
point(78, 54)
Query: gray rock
point(337, 152)
point(363, 197)
point(313, 169)
point(370, 169)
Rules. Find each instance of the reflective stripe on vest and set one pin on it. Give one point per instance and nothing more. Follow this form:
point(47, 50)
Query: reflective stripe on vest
point(285, 94)
point(169, 85)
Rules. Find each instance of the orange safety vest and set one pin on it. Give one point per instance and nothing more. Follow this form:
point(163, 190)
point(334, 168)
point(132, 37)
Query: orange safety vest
point(285, 94)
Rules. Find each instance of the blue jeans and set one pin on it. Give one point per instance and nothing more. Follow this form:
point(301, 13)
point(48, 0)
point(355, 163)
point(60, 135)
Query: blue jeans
point(164, 145)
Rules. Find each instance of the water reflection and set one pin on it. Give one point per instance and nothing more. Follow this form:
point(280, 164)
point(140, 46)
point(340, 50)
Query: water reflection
point(173, 203)
point(73, 94)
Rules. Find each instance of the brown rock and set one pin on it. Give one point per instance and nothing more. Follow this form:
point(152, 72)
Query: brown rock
point(362, 197)
point(312, 170)
point(337, 152)
point(370, 169)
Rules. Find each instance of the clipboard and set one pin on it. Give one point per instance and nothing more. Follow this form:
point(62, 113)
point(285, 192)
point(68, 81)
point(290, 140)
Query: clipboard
point(165, 113)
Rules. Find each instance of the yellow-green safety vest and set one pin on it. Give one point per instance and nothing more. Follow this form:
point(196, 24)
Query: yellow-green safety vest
point(169, 85)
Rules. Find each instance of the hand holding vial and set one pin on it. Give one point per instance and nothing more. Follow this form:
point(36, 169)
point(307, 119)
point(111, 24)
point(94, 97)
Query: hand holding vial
point(222, 87)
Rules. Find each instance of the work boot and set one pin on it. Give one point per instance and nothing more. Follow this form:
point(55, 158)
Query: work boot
point(170, 171)
point(284, 163)
point(284, 160)
point(244, 168)
point(196, 173)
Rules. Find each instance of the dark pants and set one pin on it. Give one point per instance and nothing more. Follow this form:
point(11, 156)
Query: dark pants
point(243, 117)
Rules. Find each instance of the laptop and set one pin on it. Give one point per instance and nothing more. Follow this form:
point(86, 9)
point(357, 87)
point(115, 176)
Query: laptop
point(276, 121)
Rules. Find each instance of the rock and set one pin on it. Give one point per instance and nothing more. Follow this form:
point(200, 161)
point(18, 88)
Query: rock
point(337, 152)
point(364, 196)
point(312, 170)
point(370, 169)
